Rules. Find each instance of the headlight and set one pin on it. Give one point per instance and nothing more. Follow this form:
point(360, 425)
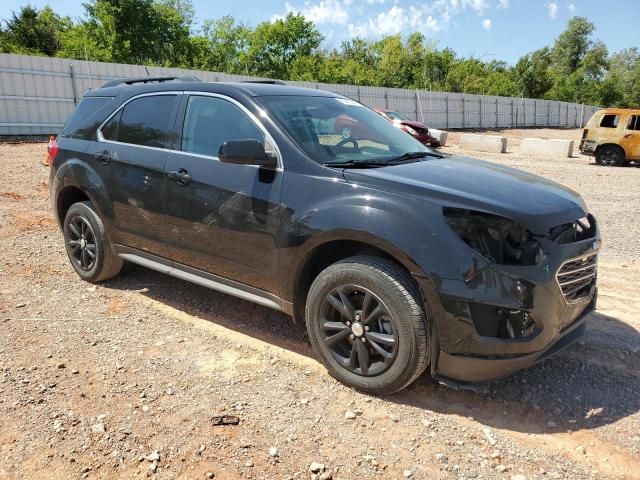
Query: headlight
point(497, 238)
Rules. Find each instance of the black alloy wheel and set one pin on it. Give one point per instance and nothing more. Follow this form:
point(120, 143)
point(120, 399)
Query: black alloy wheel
point(368, 324)
point(88, 245)
point(359, 330)
point(81, 240)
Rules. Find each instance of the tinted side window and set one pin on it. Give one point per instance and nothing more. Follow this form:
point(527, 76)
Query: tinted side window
point(610, 121)
point(145, 121)
point(110, 129)
point(86, 109)
point(211, 121)
point(634, 122)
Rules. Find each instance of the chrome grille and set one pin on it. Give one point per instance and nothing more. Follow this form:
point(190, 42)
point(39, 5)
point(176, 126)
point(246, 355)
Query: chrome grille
point(577, 278)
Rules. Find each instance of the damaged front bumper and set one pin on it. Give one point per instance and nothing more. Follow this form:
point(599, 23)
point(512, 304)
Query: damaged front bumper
point(511, 317)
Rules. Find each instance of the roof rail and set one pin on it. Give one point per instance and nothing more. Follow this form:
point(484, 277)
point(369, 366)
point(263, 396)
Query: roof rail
point(136, 80)
point(268, 82)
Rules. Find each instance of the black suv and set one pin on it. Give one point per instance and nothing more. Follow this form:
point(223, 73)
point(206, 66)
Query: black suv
point(396, 257)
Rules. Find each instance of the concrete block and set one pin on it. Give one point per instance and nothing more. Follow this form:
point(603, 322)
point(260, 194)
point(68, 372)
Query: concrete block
point(547, 148)
point(483, 143)
point(441, 135)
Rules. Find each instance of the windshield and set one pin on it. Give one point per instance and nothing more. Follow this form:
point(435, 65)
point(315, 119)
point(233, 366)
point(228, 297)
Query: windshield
point(338, 130)
point(395, 116)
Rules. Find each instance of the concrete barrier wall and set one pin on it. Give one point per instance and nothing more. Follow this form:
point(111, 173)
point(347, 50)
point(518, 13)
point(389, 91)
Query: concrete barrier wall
point(547, 148)
point(441, 135)
point(483, 143)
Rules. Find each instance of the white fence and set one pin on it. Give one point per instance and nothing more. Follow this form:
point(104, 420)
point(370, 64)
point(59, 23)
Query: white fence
point(37, 94)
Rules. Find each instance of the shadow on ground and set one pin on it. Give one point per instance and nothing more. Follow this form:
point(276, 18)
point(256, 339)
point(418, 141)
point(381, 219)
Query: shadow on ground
point(592, 383)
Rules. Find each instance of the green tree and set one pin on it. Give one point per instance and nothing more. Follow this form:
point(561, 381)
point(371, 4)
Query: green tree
point(273, 47)
point(532, 74)
point(34, 31)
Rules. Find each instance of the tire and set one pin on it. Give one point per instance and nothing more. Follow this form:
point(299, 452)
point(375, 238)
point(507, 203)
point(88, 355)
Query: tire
point(401, 330)
point(88, 246)
point(610, 156)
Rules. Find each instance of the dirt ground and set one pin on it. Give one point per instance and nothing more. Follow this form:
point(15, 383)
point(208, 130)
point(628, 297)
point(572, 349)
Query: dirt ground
point(126, 379)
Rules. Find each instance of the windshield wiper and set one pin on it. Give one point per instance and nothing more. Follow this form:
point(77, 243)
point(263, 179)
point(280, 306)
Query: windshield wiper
point(364, 163)
point(357, 163)
point(412, 156)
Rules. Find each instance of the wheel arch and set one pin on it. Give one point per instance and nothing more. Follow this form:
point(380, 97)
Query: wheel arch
point(66, 197)
point(75, 181)
point(329, 251)
point(612, 145)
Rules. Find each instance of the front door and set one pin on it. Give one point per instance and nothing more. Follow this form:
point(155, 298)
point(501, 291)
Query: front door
point(631, 138)
point(222, 218)
point(134, 147)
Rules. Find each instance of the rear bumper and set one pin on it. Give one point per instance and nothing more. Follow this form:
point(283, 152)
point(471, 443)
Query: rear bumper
point(588, 147)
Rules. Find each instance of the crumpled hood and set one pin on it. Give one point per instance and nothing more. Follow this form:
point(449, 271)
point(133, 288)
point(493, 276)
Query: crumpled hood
point(412, 124)
point(464, 182)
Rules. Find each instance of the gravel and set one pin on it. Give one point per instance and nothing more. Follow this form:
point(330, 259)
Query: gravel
point(137, 337)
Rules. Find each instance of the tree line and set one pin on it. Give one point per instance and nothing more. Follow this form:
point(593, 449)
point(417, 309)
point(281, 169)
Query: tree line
point(576, 68)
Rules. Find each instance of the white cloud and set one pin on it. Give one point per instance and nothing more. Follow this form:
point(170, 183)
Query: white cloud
point(376, 18)
point(552, 9)
point(327, 11)
point(396, 20)
point(324, 12)
point(572, 7)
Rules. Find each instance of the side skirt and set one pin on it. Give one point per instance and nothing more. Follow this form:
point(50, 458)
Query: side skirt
point(203, 278)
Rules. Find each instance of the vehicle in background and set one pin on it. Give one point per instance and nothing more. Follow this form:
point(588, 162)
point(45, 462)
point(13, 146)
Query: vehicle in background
point(348, 127)
point(417, 130)
point(612, 135)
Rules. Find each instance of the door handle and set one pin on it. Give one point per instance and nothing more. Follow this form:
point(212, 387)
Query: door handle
point(181, 177)
point(104, 156)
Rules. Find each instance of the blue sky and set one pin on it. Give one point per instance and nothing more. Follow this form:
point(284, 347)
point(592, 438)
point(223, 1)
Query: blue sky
point(488, 29)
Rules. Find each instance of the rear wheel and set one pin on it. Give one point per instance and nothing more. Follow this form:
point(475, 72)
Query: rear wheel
point(610, 156)
point(88, 245)
point(367, 325)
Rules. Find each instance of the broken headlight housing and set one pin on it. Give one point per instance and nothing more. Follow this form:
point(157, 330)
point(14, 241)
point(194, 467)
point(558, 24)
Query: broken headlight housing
point(499, 239)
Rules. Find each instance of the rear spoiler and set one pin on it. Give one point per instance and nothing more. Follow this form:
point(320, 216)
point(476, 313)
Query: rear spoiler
point(138, 80)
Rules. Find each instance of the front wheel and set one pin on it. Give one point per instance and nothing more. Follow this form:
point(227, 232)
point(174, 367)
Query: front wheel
point(367, 325)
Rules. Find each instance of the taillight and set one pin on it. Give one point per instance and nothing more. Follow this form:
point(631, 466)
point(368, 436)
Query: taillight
point(52, 150)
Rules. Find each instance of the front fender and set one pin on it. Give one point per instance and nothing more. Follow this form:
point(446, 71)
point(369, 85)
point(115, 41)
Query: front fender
point(411, 230)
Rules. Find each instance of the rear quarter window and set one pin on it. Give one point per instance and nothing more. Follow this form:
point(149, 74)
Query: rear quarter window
point(80, 124)
point(610, 121)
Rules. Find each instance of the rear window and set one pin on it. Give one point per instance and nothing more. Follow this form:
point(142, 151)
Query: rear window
point(634, 122)
point(86, 110)
point(610, 121)
point(145, 121)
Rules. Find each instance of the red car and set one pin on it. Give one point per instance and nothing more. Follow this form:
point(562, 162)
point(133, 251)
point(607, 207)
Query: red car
point(350, 127)
point(417, 130)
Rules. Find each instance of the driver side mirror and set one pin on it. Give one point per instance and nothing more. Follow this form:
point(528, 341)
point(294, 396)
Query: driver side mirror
point(247, 152)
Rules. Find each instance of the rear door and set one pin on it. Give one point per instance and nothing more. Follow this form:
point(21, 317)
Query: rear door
point(134, 145)
point(222, 218)
point(630, 140)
